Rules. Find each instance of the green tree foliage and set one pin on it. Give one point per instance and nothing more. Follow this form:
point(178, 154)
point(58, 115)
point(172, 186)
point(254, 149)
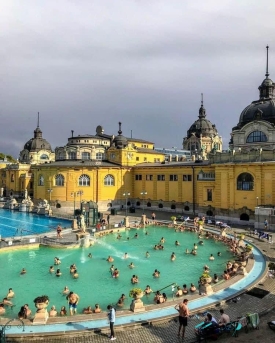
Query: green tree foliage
point(8, 157)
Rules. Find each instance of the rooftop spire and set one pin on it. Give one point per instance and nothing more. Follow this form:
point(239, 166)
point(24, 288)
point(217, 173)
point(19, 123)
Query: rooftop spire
point(119, 128)
point(37, 119)
point(267, 74)
point(202, 109)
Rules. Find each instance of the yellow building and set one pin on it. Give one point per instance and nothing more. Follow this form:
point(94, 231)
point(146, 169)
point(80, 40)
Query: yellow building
point(110, 169)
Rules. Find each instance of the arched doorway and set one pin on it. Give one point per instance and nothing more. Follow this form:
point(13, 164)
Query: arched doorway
point(209, 213)
point(244, 217)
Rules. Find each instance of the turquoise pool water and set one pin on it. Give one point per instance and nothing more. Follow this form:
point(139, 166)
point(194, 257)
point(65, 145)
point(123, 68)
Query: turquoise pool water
point(95, 284)
point(14, 223)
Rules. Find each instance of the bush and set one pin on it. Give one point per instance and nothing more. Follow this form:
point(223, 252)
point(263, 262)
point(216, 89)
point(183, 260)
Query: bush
point(134, 292)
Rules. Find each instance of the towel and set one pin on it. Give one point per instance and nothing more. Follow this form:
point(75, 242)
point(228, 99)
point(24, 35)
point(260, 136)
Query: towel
point(254, 320)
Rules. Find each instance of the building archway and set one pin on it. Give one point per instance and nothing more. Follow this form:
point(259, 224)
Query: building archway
point(244, 216)
point(209, 213)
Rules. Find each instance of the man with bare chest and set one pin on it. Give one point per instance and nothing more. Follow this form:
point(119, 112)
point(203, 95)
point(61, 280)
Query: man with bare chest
point(73, 300)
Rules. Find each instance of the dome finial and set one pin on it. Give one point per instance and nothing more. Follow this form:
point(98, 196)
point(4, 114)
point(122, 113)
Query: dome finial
point(37, 119)
point(267, 74)
point(202, 113)
point(119, 128)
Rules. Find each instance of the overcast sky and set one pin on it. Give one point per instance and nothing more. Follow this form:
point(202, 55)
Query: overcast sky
point(83, 63)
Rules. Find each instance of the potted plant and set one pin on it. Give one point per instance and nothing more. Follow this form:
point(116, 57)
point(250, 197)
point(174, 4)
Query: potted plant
point(173, 218)
point(41, 303)
point(136, 293)
point(206, 278)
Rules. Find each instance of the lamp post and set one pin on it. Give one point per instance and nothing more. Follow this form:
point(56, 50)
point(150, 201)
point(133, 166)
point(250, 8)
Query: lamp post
point(143, 193)
point(74, 195)
point(49, 190)
point(80, 194)
point(258, 211)
point(126, 194)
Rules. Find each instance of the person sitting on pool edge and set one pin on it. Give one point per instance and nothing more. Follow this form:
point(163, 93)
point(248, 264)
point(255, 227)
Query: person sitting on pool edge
point(193, 288)
point(52, 312)
point(97, 309)
point(179, 292)
point(87, 310)
point(63, 311)
point(184, 289)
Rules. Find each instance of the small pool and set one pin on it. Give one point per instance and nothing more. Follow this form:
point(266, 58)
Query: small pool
point(95, 284)
point(14, 223)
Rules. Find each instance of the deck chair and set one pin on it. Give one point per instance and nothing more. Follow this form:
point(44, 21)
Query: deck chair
point(254, 320)
point(237, 328)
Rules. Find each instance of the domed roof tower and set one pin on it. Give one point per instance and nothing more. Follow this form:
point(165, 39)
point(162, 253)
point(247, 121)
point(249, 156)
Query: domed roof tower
point(120, 141)
point(202, 126)
point(202, 136)
point(264, 108)
point(37, 149)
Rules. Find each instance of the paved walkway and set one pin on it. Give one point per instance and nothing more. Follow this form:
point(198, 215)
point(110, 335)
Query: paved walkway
point(166, 331)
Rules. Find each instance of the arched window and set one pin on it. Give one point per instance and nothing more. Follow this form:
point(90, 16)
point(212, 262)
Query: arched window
point(41, 180)
point(256, 136)
point(72, 155)
point(109, 180)
point(44, 157)
point(84, 180)
point(59, 180)
point(99, 156)
point(61, 156)
point(245, 182)
point(85, 156)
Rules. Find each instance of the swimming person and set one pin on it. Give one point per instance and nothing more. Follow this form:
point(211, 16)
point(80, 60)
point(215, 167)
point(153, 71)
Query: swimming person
point(10, 294)
point(58, 273)
point(173, 256)
point(51, 269)
point(131, 265)
point(148, 290)
point(177, 243)
point(134, 279)
point(126, 255)
point(75, 274)
point(66, 290)
point(211, 258)
point(23, 271)
point(116, 273)
point(110, 259)
point(156, 273)
point(147, 254)
point(90, 255)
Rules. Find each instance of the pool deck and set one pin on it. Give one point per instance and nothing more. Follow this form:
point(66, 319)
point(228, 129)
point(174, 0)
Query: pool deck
point(87, 325)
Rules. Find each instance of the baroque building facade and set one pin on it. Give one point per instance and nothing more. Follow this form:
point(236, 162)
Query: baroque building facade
point(112, 170)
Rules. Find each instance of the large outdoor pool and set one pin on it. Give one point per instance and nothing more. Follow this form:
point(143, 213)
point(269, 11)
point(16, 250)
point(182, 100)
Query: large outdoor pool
point(95, 284)
point(14, 223)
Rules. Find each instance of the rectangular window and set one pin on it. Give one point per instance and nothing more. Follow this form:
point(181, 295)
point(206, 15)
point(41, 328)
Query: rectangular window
point(137, 158)
point(209, 194)
point(161, 178)
point(173, 178)
point(138, 177)
point(156, 160)
point(145, 159)
point(187, 178)
point(149, 177)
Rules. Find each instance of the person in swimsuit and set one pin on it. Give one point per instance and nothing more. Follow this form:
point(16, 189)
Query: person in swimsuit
point(73, 300)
